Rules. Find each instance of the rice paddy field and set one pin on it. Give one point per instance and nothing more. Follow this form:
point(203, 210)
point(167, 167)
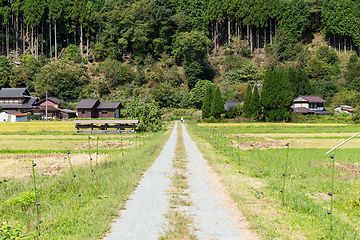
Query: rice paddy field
point(48, 142)
point(281, 176)
point(77, 184)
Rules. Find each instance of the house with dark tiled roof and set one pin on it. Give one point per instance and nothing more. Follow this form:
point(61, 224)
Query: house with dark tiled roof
point(93, 108)
point(309, 105)
point(18, 99)
point(54, 110)
point(109, 109)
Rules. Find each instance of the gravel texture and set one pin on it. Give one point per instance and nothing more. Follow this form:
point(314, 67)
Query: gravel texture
point(143, 217)
point(214, 213)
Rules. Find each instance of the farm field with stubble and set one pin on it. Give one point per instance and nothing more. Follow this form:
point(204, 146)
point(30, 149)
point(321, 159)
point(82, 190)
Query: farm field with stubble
point(289, 192)
point(77, 197)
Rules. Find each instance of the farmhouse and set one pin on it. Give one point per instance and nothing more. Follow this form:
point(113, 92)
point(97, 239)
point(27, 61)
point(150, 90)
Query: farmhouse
point(344, 109)
point(18, 99)
point(309, 105)
point(54, 110)
point(93, 108)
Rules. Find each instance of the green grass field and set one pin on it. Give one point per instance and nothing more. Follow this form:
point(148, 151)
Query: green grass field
point(65, 215)
point(294, 206)
point(38, 127)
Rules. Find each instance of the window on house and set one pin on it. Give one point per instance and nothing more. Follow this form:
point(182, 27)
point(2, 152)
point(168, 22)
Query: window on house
point(83, 112)
point(104, 112)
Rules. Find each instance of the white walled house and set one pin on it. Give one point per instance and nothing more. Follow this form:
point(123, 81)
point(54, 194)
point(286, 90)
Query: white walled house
point(309, 105)
point(13, 117)
point(344, 109)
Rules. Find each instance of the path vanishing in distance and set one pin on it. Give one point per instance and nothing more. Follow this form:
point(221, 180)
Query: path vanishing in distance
point(214, 213)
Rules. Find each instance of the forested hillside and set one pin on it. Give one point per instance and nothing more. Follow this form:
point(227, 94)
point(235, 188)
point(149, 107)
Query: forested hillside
point(171, 51)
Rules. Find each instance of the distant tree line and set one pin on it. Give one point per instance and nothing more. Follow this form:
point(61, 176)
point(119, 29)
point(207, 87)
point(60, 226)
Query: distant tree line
point(141, 27)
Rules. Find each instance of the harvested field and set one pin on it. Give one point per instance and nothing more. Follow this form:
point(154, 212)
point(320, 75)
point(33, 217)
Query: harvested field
point(19, 165)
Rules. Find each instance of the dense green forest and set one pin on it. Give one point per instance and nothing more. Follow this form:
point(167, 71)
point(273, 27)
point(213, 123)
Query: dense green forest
point(172, 51)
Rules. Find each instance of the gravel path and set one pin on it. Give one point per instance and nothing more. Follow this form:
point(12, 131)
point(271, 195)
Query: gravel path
point(143, 217)
point(214, 213)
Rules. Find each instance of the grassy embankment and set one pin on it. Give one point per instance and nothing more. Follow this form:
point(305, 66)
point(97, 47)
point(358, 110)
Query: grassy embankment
point(255, 177)
point(63, 213)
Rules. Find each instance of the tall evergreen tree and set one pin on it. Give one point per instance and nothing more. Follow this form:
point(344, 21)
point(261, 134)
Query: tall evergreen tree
point(276, 95)
point(255, 104)
point(303, 87)
point(299, 81)
point(217, 106)
point(207, 102)
point(247, 102)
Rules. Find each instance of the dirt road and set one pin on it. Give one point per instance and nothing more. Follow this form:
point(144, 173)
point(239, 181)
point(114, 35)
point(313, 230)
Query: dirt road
point(214, 213)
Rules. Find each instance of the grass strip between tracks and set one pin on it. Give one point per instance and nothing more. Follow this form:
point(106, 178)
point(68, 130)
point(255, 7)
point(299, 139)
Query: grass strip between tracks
point(179, 222)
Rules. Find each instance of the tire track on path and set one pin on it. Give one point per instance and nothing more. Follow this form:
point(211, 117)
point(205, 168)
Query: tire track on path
point(143, 217)
point(215, 214)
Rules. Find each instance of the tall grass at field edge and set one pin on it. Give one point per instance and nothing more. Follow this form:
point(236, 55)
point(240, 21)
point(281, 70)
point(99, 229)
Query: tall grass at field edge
point(63, 213)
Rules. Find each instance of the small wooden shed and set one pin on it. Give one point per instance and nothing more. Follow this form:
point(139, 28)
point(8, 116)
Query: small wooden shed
point(105, 126)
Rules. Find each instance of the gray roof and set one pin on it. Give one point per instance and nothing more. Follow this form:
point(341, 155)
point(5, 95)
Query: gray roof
point(105, 121)
point(67, 110)
point(11, 111)
point(229, 104)
point(51, 99)
point(13, 92)
point(28, 103)
point(109, 105)
point(87, 103)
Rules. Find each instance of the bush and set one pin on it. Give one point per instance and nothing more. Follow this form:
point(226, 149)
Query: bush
point(34, 117)
point(9, 232)
point(245, 51)
point(210, 120)
point(148, 114)
point(327, 54)
point(72, 53)
point(23, 201)
point(234, 111)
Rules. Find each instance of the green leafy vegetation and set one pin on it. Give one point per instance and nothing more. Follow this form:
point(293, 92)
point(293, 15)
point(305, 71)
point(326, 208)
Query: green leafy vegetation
point(148, 114)
point(169, 50)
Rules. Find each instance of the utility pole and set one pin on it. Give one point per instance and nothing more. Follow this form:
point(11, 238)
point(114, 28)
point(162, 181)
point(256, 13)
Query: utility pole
point(46, 112)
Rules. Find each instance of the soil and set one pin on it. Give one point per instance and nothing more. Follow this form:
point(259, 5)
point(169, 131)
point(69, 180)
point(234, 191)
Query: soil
point(111, 144)
point(19, 165)
point(306, 140)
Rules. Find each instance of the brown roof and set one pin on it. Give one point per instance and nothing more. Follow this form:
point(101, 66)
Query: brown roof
point(310, 99)
point(302, 110)
point(50, 108)
point(51, 99)
point(87, 103)
point(109, 105)
point(106, 121)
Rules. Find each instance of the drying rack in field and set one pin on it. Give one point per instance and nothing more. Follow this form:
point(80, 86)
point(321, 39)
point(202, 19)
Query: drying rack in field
point(105, 126)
